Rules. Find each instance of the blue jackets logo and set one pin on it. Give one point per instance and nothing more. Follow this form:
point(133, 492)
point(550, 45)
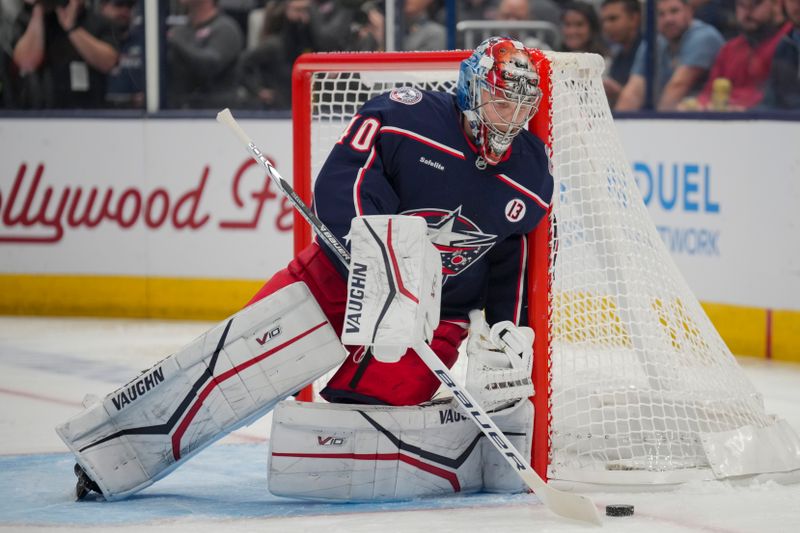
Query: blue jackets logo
point(459, 240)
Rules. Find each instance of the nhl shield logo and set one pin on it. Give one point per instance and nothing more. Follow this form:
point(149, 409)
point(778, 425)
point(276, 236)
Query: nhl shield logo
point(406, 95)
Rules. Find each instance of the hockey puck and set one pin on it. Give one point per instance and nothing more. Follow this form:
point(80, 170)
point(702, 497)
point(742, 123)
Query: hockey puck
point(619, 510)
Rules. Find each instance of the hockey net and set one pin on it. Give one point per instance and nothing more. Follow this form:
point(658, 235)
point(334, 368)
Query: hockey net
point(633, 383)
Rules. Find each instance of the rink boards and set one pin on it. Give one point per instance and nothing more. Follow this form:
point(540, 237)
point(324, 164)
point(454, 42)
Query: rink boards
point(169, 218)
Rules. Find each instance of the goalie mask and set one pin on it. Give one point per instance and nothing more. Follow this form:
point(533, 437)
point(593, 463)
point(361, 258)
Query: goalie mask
point(498, 91)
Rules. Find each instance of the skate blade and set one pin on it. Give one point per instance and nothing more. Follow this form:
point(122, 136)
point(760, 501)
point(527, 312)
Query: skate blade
point(84, 485)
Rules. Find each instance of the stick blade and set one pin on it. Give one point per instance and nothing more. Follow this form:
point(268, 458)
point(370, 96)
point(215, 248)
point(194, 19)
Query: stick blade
point(572, 506)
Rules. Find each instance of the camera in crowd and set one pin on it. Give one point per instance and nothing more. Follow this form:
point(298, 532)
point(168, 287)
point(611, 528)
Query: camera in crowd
point(362, 9)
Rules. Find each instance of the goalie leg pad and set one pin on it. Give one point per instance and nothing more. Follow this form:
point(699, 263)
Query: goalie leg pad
point(517, 424)
point(227, 378)
point(372, 453)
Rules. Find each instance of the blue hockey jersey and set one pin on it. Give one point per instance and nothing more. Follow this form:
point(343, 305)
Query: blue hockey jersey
point(405, 152)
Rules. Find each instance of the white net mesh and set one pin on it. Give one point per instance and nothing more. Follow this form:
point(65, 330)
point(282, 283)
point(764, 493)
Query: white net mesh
point(336, 96)
point(638, 373)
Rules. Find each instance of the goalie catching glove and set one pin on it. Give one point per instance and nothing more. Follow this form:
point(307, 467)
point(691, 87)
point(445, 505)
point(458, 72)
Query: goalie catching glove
point(394, 286)
point(500, 362)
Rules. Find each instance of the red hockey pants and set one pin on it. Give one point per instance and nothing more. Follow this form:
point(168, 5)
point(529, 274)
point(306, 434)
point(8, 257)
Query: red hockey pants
point(361, 378)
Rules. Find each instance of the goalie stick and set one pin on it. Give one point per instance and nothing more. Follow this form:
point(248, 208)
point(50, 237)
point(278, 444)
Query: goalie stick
point(225, 117)
point(568, 505)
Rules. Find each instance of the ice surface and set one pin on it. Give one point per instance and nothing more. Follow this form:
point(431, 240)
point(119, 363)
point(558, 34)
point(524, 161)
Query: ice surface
point(47, 366)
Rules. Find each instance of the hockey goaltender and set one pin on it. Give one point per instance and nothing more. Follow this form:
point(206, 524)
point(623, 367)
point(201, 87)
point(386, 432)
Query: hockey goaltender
point(434, 194)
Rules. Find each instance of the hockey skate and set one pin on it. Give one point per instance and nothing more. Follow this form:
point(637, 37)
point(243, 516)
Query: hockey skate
point(85, 485)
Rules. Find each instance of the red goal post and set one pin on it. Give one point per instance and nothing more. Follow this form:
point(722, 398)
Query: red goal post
point(302, 84)
point(634, 386)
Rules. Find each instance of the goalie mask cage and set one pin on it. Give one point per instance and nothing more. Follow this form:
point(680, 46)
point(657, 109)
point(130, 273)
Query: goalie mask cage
point(634, 386)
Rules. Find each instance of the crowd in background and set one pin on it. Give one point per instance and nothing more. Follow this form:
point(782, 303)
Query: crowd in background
point(710, 54)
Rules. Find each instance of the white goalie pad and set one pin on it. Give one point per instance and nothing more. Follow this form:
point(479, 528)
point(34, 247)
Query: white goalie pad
point(516, 422)
point(500, 362)
point(344, 452)
point(227, 378)
point(394, 286)
point(372, 453)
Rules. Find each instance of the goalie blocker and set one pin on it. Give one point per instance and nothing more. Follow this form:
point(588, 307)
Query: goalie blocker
point(394, 286)
point(225, 379)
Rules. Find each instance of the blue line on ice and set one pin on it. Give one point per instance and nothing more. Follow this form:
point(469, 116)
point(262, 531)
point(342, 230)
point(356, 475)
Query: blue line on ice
point(226, 481)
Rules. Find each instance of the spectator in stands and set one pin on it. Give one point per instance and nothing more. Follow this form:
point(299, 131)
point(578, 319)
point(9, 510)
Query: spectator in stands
point(8, 12)
point(6, 93)
point(202, 57)
point(7, 15)
point(471, 10)
point(238, 10)
point(717, 13)
point(783, 86)
point(545, 10)
point(364, 28)
point(745, 60)
point(125, 84)
point(622, 22)
point(541, 11)
point(7, 90)
point(291, 28)
point(355, 25)
point(300, 30)
point(513, 10)
point(580, 29)
point(265, 71)
point(63, 52)
point(371, 29)
point(685, 50)
point(476, 10)
point(517, 11)
point(421, 32)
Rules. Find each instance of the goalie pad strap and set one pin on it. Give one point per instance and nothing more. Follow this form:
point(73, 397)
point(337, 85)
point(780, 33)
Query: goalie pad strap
point(227, 378)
